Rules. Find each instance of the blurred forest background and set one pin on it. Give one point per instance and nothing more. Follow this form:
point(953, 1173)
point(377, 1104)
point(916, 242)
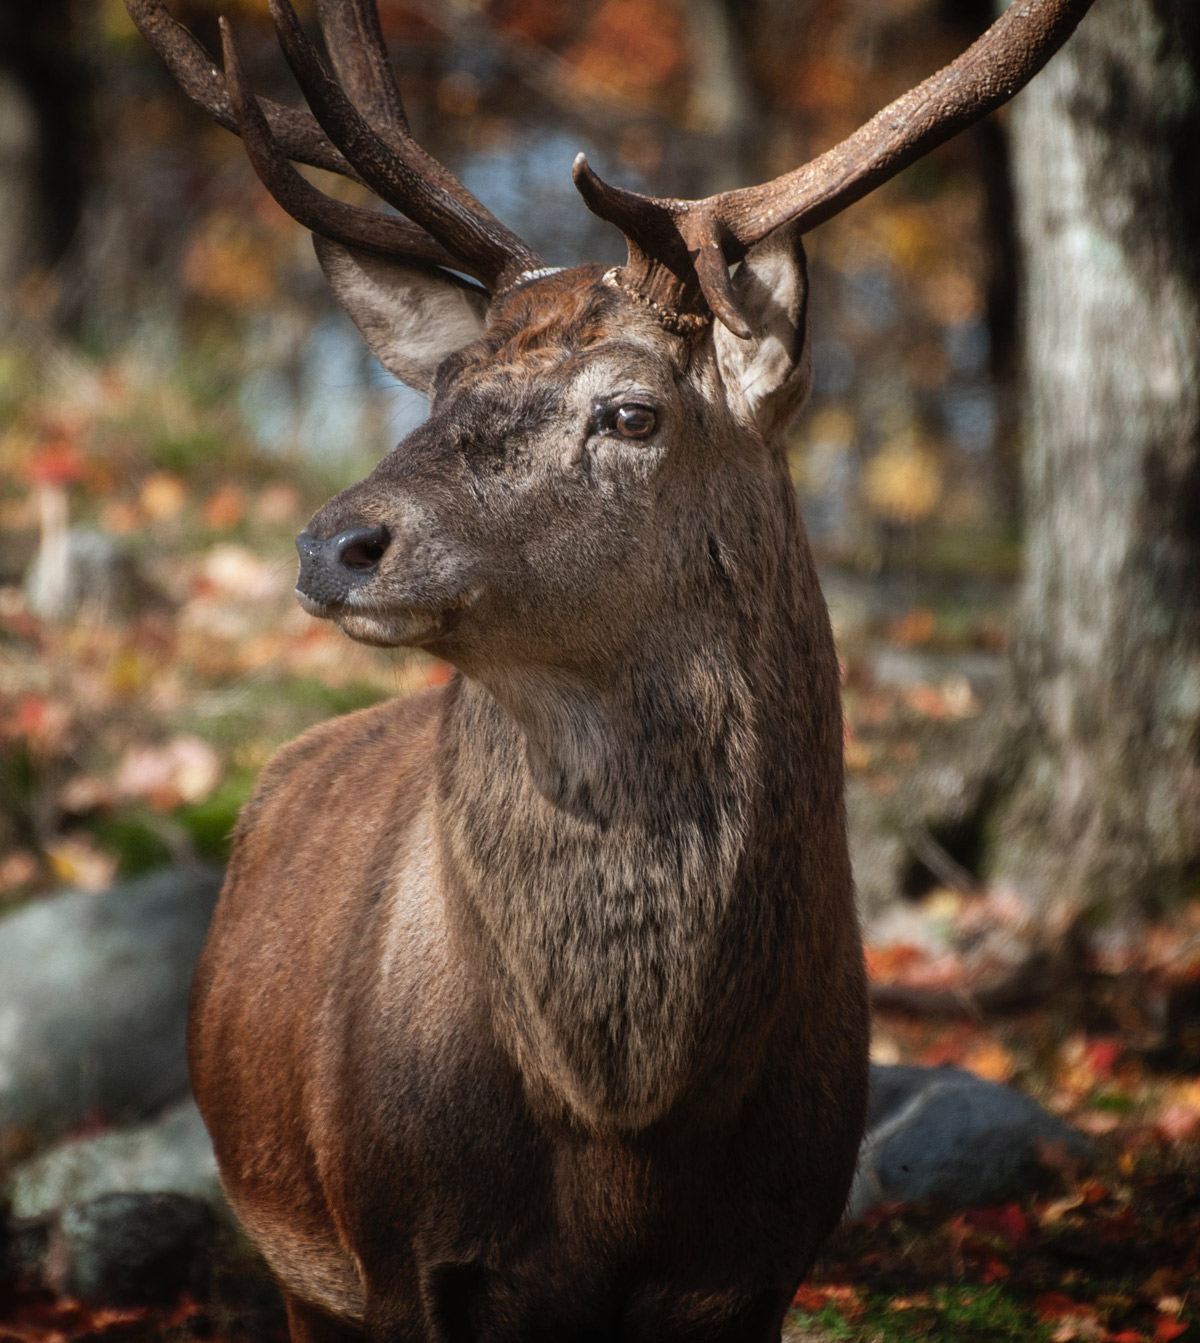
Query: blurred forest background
point(179, 389)
point(999, 468)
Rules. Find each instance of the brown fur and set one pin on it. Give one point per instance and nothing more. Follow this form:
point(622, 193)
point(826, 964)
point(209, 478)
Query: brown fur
point(534, 1006)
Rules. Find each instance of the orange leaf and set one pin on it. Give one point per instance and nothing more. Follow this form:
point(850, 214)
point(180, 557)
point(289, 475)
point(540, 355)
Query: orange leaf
point(808, 1298)
point(884, 963)
point(1167, 1329)
point(225, 507)
point(990, 1060)
point(915, 627)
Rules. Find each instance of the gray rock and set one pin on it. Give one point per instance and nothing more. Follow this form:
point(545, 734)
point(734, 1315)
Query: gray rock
point(943, 1136)
point(133, 1217)
point(130, 1249)
point(171, 1154)
point(93, 1003)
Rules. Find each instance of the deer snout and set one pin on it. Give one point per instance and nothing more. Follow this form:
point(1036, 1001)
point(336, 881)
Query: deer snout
point(330, 568)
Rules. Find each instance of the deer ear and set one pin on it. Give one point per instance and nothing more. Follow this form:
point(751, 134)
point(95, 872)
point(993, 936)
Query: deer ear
point(411, 316)
point(769, 374)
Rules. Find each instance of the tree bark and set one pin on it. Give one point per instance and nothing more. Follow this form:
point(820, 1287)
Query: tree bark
point(1104, 813)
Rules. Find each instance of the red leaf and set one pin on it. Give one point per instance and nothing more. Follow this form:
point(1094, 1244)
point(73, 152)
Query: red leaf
point(808, 1298)
point(1057, 1306)
point(1102, 1055)
point(1008, 1222)
point(1167, 1329)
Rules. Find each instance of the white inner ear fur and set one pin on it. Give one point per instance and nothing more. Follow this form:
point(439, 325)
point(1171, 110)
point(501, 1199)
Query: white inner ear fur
point(411, 316)
point(769, 375)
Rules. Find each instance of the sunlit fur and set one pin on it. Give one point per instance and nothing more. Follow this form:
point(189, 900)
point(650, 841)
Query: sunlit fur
point(534, 1006)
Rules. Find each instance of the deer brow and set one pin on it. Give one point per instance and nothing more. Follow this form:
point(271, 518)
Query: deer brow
point(496, 409)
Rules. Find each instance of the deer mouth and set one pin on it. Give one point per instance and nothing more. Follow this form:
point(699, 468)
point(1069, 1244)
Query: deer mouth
point(386, 625)
point(340, 580)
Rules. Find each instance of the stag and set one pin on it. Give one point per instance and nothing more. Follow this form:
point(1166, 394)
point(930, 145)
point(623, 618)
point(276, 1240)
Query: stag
point(534, 1005)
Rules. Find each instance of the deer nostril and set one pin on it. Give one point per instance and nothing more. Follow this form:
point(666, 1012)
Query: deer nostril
point(361, 549)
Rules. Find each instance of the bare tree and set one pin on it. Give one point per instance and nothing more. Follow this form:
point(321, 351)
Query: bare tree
point(1103, 813)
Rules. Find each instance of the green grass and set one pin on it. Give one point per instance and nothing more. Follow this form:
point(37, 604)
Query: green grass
point(964, 1313)
point(209, 824)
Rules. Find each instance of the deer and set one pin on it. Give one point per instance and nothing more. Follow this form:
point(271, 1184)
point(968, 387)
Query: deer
point(534, 1005)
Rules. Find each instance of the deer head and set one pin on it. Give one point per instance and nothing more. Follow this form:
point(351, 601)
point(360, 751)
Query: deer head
point(595, 437)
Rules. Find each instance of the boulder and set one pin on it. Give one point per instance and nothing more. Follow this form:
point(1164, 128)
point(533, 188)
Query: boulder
point(130, 1249)
point(945, 1137)
point(132, 1217)
point(93, 1003)
point(170, 1155)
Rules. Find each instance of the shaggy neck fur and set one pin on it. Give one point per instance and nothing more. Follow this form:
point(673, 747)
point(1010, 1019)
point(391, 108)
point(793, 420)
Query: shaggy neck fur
point(626, 844)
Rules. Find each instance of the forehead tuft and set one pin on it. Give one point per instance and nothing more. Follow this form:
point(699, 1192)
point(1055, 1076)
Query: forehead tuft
point(569, 310)
point(538, 325)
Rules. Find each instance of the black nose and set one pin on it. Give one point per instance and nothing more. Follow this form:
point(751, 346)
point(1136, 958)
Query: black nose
point(362, 548)
point(330, 568)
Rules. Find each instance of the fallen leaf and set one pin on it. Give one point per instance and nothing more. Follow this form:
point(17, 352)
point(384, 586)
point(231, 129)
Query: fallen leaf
point(959, 698)
point(277, 505)
point(184, 770)
point(1179, 1122)
point(239, 572)
point(43, 722)
point(914, 627)
point(162, 496)
point(19, 868)
point(990, 1060)
point(1056, 1306)
point(84, 793)
point(809, 1299)
point(1165, 1329)
point(1098, 1123)
point(887, 963)
point(1102, 1056)
point(1009, 1222)
point(856, 757)
point(903, 481)
point(928, 701)
point(76, 861)
point(225, 507)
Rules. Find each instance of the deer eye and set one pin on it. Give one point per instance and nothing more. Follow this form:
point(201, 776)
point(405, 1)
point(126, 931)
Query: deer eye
point(635, 421)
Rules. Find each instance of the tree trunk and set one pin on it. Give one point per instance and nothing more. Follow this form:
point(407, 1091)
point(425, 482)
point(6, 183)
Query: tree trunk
point(1104, 814)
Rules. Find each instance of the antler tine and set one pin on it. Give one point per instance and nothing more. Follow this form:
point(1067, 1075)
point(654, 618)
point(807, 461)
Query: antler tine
point(367, 229)
point(679, 250)
point(356, 47)
point(355, 43)
point(404, 176)
point(297, 133)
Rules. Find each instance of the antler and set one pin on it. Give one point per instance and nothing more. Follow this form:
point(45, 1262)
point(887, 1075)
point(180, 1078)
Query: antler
point(403, 175)
point(374, 147)
point(197, 74)
point(680, 250)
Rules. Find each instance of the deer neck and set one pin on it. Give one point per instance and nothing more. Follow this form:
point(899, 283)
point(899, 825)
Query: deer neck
point(601, 835)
